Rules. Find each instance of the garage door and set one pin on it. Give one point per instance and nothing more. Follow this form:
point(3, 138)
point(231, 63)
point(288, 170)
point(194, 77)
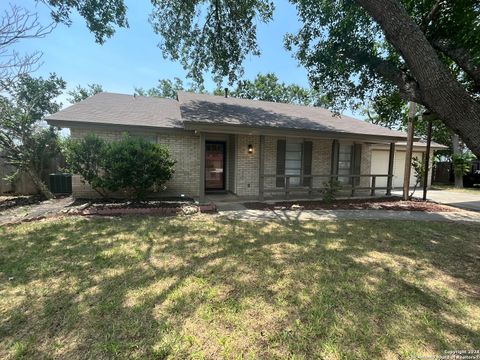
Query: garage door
point(380, 166)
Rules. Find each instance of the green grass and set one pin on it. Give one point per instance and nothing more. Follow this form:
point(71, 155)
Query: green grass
point(203, 287)
point(474, 190)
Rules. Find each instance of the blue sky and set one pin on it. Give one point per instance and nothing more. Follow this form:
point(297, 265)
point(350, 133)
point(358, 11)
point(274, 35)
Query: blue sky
point(131, 57)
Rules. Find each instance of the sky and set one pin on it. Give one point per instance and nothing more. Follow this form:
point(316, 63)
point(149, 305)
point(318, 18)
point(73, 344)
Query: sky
point(132, 59)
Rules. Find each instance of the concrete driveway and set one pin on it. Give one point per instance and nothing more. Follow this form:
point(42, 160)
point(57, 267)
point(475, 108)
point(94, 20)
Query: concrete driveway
point(463, 200)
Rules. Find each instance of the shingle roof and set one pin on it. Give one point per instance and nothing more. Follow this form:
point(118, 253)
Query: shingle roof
point(211, 109)
point(121, 109)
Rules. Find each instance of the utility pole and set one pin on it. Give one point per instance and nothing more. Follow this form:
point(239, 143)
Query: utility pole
point(412, 110)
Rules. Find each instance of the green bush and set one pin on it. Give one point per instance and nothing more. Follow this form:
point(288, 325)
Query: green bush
point(131, 165)
point(330, 190)
point(86, 158)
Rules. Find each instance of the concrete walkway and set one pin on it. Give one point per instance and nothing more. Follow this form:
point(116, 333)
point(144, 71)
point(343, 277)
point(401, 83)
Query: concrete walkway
point(322, 215)
point(462, 200)
point(33, 212)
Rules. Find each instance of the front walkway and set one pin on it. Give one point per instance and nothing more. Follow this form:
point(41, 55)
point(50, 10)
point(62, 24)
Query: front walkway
point(238, 213)
point(463, 200)
point(34, 212)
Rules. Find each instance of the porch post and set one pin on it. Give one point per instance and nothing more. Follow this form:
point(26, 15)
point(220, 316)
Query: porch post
point(261, 168)
point(201, 189)
point(391, 159)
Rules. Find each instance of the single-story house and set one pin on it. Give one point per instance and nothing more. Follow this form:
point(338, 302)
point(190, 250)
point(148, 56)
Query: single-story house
point(253, 149)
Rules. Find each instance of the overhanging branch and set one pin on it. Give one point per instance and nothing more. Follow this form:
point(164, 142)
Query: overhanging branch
point(461, 56)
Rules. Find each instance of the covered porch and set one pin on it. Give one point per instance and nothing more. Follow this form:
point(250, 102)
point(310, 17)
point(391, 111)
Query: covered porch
point(268, 165)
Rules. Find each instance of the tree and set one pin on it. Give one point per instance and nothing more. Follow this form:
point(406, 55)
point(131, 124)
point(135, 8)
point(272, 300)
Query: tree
point(16, 24)
point(352, 49)
point(167, 88)
point(268, 88)
point(101, 17)
point(81, 93)
point(24, 142)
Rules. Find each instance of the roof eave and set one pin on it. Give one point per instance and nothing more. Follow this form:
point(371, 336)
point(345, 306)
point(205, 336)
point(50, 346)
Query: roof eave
point(264, 130)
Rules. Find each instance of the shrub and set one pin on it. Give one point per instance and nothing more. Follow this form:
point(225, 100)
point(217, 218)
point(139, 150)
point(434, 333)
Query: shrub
point(330, 190)
point(86, 158)
point(135, 165)
point(132, 165)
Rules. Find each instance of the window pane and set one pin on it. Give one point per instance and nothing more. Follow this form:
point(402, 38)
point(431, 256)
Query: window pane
point(293, 146)
point(290, 155)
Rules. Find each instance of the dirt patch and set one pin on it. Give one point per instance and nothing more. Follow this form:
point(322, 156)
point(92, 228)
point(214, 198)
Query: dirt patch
point(10, 202)
point(353, 204)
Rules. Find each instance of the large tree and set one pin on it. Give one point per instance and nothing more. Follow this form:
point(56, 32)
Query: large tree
point(426, 50)
point(25, 143)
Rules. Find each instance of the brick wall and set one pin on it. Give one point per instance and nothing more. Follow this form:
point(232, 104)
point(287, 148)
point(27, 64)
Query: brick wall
point(184, 148)
point(247, 165)
point(365, 165)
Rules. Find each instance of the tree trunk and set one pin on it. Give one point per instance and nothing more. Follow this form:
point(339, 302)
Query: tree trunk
point(40, 184)
point(457, 151)
point(440, 92)
point(408, 151)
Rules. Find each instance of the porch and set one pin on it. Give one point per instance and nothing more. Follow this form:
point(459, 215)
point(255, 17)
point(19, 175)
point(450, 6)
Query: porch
point(271, 167)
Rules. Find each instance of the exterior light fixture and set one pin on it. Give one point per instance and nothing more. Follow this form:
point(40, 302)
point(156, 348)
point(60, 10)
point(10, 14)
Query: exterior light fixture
point(250, 149)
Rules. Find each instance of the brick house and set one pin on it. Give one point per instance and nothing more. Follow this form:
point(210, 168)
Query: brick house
point(253, 149)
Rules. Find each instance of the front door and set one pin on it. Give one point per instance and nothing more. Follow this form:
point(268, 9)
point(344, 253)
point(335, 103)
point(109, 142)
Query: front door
point(215, 156)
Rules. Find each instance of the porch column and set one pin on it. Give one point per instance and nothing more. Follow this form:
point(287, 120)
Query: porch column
point(391, 159)
point(261, 168)
point(201, 188)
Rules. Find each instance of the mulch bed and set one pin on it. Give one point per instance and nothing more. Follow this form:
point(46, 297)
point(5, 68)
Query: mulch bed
point(353, 204)
point(163, 207)
point(10, 202)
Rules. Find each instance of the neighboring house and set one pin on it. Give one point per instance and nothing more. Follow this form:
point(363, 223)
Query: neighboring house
point(250, 148)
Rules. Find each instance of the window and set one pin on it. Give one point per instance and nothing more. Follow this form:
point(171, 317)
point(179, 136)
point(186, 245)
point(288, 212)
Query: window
point(293, 161)
point(345, 162)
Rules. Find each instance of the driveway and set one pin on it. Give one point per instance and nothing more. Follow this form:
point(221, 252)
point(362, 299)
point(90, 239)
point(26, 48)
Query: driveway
point(463, 200)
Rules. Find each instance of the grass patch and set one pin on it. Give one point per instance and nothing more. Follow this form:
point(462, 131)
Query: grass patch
point(205, 287)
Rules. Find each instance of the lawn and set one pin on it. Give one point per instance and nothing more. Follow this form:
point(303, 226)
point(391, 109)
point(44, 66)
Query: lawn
point(203, 287)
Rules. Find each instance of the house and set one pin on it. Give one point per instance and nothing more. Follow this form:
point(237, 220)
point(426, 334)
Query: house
point(253, 149)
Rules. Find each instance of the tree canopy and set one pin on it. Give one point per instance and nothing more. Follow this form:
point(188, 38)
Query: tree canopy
point(427, 51)
point(24, 142)
point(266, 87)
point(101, 17)
point(81, 93)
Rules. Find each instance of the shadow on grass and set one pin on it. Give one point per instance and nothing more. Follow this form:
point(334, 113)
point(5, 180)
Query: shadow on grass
point(203, 287)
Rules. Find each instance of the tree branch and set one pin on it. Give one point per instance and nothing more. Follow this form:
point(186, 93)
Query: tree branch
point(461, 56)
point(407, 86)
point(431, 15)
